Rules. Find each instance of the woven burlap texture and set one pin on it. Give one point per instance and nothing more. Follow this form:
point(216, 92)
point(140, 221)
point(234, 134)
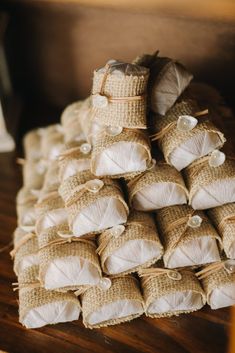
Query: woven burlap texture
point(156, 287)
point(125, 113)
point(223, 217)
point(161, 173)
point(32, 145)
point(52, 136)
point(51, 179)
point(76, 200)
point(216, 280)
point(177, 236)
point(122, 288)
point(104, 141)
point(49, 252)
point(200, 175)
point(29, 247)
point(140, 226)
point(30, 298)
point(31, 177)
point(52, 202)
point(73, 154)
point(173, 138)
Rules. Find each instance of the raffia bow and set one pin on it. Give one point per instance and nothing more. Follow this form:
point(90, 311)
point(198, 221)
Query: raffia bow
point(21, 242)
point(211, 269)
point(183, 221)
point(159, 135)
point(107, 235)
point(153, 272)
point(79, 190)
point(67, 238)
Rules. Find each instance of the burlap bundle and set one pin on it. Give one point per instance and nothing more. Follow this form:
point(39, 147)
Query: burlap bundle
point(33, 173)
point(52, 142)
point(71, 122)
point(51, 179)
point(167, 80)
point(33, 296)
point(223, 217)
point(122, 289)
point(160, 174)
point(78, 200)
point(163, 284)
point(170, 138)
point(100, 157)
point(176, 233)
point(50, 212)
point(124, 87)
point(25, 201)
point(32, 144)
point(25, 250)
point(25, 195)
point(52, 247)
point(140, 226)
point(219, 286)
point(73, 160)
point(52, 202)
point(216, 182)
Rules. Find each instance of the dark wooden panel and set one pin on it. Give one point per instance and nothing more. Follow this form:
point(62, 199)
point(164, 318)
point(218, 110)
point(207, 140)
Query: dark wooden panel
point(54, 46)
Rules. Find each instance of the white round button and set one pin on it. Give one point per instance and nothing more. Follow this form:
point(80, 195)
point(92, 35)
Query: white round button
point(186, 123)
point(113, 130)
point(175, 275)
point(229, 266)
point(194, 221)
point(99, 101)
point(105, 283)
point(116, 231)
point(85, 148)
point(217, 158)
point(94, 185)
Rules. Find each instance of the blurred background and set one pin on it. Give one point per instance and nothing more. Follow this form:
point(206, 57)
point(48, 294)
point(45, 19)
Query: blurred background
point(49, 48)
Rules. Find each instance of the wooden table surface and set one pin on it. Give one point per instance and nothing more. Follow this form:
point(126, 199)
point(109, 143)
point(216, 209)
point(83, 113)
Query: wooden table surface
point(205, 331)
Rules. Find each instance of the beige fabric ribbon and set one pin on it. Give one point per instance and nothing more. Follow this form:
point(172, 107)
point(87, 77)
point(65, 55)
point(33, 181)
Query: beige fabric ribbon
point(21, 242)
point(81, 189)
point(31, 285)
point(211, 269)
point(153, 272)
point(107, 235)
point(170, 126)
point(70, 238)
point(183, 221)
point(70, 151)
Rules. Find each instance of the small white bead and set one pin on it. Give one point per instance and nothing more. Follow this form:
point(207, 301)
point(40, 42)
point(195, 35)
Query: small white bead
point(175, 275)
point(99, 101)
point(217, 158)
point(186, 123)
point(94, 185)
point(113, 130)
point(194, 221)
point(229, 266)
point(116, 231)
point(105, 283)
point(85, 148)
